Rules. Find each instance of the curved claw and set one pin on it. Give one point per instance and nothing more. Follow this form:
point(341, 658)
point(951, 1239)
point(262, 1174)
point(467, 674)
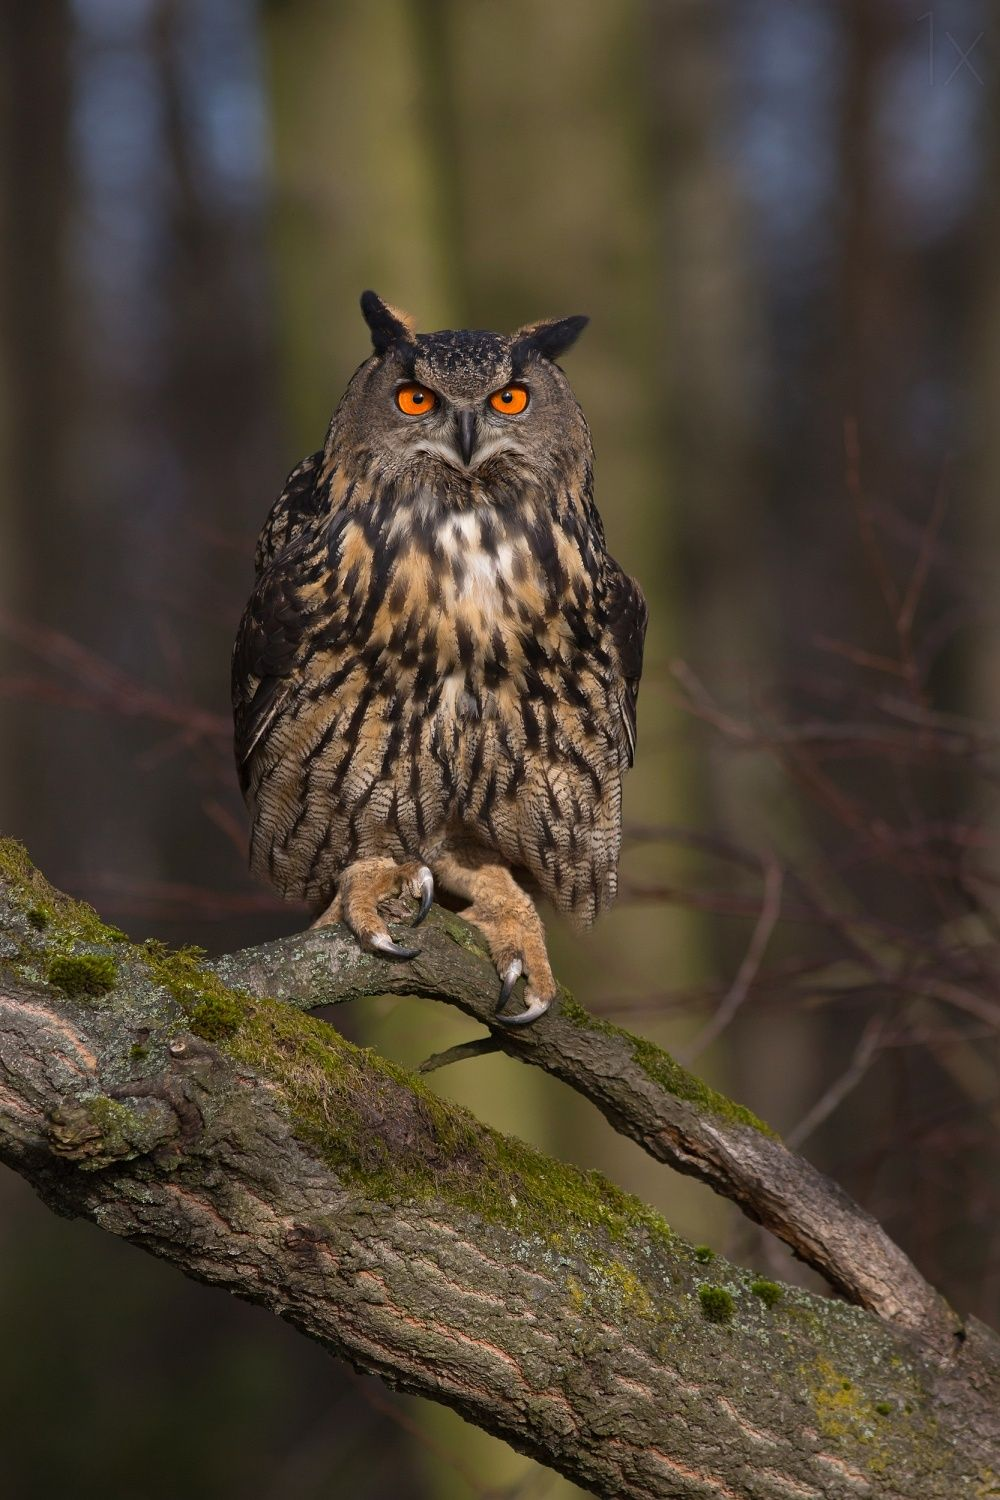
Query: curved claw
point(514, 971)
point(383, 943)
point(533, 1010)
point(425, 887)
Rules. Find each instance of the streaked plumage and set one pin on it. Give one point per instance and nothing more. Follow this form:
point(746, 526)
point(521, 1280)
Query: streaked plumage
point(439, 662)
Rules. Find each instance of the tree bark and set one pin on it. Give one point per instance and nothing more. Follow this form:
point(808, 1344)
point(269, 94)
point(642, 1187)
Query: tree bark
point(192, 1110)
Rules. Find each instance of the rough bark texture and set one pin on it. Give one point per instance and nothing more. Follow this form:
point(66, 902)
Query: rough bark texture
point(225, 1130)
point(642, 1091)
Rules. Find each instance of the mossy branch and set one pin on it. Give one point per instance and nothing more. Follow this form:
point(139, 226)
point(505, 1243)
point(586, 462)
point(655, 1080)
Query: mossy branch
point(642, 1091)
point(255, 1148)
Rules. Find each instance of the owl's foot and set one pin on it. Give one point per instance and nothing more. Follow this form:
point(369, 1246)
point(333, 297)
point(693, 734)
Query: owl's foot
point(506, 916)
point(363, 886)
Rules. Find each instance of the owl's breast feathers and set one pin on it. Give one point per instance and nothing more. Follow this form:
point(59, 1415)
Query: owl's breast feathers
point(411, 670)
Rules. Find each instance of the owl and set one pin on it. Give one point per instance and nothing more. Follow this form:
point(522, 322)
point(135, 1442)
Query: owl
point(435, 678)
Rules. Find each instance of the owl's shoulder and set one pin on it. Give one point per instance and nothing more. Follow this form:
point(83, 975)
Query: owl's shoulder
point(302, 499)
point(290, 592)
point(625, 618)
point(627, 614)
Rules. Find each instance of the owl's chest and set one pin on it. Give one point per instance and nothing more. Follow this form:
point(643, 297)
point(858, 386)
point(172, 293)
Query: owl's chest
point(469, 598)
point(461, 615)
point(479, 582)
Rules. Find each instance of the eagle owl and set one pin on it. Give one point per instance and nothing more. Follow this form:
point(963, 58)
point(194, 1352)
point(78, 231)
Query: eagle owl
point(435, 678)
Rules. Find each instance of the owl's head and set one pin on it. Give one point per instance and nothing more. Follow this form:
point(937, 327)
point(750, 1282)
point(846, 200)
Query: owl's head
point(474, 401)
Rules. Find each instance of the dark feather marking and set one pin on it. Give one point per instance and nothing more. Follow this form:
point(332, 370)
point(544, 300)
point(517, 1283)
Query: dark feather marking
point(422, 679)
point(351, 732)
point(583, 765)
point(466, 644)
point(477, 760)
point(321, 848)
point(393, 742)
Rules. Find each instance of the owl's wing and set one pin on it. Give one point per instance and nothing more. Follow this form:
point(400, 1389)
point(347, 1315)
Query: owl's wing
point(267, 645)
point(626, 617)
point(293, 507)
point(276, 619)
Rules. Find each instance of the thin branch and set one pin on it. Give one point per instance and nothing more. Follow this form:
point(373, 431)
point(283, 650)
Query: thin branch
point(831, 1099)
point(770, 913)
point(921, 567)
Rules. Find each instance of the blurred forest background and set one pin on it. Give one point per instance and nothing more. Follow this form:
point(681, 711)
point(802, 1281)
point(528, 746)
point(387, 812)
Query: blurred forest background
point(782, 217)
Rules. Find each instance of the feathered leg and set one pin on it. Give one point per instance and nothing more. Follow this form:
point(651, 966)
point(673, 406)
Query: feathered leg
point(506, 916)
point(363, 886)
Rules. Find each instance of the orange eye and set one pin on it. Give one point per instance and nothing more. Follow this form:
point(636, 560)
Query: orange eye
point(415, 400)
point(511, 400)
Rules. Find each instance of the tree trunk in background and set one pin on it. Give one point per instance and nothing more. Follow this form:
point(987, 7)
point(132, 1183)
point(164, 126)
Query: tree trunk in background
point(219, 401)
point(709, 329)
point(354, 202)
point(885, 355)
point(36, 326)
point(980, 482)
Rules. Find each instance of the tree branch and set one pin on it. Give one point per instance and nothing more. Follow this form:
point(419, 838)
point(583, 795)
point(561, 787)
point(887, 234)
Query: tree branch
point(258, 1150)
point(641, 1090)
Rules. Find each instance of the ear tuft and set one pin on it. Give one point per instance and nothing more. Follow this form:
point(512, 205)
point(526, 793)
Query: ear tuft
point(388, 326)
point(549, 339)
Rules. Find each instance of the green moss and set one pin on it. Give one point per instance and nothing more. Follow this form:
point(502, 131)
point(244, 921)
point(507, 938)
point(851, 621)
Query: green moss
point(704, 1254)
point(843, 1411)
point(66, 920)
point(612, 1290)
point(664, 1070)
point(213, 1010)
point(577, 1296)
point(769, 1292)
point(216, 1016)
point(626, 1290)
point(83, 973)
point(374, 1123)
point(716, 1304)
point(66, 924)
point(95, 1132)
point(138, 1051)
point(883, 1408)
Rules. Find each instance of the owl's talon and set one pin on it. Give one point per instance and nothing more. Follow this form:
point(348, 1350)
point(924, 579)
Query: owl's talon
point(534, 1009)
point(381, 942)
point(512, 974)
point(424, 888)
point(535, 1006)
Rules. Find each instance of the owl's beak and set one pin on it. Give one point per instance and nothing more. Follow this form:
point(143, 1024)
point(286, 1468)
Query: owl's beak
point(467, 428)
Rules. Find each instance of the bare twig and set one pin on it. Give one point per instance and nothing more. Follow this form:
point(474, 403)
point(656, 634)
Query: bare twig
point(770, 912)
point(864, 1055)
